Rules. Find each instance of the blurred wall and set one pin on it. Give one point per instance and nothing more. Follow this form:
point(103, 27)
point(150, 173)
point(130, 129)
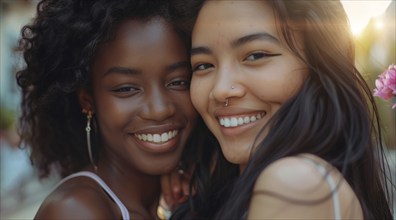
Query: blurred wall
point(14, 14)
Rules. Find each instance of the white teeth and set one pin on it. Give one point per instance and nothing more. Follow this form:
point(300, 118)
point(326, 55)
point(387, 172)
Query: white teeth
point(149, 137)
point(164, 137)
point(238, 121)
point(157, 138)
point(234, 122)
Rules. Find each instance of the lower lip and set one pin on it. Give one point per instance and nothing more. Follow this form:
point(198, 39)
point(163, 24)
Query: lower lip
point(165, 147)
point(232, 131)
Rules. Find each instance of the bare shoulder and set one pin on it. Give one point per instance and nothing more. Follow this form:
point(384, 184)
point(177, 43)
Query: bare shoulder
point(294, 177)
point(78, 198)
point(298, 187)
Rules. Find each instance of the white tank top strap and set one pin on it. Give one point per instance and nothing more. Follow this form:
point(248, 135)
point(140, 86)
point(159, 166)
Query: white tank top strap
point(121, 206)
point(332, 184)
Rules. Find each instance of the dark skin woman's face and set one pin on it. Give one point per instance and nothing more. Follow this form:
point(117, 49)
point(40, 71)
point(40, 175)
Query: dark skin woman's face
point(141, 97)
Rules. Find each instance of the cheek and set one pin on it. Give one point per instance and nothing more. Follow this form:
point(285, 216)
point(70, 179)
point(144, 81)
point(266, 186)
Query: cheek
point(114, 112)
point(199, 95)
point(269, 90)
point(110, 106)
point(111, 118)
point(187, 107)
point(276, 86)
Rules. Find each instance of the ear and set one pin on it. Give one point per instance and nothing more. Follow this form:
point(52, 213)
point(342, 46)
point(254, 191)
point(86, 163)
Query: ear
point(85, 100)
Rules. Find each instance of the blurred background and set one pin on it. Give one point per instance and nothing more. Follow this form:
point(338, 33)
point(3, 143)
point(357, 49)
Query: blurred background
point(21, 192)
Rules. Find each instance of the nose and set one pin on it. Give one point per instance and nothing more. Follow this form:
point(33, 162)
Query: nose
point(227, 85)
point(157, 105)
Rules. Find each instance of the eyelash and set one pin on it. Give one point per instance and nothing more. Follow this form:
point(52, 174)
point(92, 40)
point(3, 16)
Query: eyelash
point(124, 89)
point(255, 55)
point(202, 67)
point(260, 55)
point(180, 83)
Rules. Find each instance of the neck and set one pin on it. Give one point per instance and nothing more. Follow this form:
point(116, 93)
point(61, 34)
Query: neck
point(241, 168)
point(138, 191)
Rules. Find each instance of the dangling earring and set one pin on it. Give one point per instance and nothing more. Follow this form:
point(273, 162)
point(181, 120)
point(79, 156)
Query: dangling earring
point(88, 130)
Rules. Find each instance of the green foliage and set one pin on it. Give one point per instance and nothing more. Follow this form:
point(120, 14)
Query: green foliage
point(7, 118)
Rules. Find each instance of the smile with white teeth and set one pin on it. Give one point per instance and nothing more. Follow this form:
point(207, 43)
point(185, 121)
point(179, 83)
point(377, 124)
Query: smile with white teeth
point(157, 138)
point(238, 121)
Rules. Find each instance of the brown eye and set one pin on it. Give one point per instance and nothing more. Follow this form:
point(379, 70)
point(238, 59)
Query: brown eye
point(260, 55)
point(124, 89)
point(179, 84)
point(202, 67)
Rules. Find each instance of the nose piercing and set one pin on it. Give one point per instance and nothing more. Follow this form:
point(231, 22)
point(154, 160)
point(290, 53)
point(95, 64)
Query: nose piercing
point(226, 102)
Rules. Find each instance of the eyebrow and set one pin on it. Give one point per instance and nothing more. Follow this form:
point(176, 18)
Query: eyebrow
point(129, 71)
point(200, 50)
point(122, 70)
point(252, 37)
point(178, 65)
point(238, 42)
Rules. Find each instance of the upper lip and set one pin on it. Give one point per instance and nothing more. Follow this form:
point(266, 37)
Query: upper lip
point(157, 129)
point(235, 111)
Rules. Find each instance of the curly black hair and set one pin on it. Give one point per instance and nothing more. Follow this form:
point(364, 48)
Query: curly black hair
point(58, 48)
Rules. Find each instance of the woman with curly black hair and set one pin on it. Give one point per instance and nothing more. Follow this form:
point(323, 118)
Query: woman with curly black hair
point(106, 103)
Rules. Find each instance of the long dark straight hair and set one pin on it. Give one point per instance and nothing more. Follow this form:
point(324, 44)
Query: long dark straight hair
point(333, 116)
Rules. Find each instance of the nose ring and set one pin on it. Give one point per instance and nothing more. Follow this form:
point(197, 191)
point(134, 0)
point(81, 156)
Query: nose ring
point(226, 102)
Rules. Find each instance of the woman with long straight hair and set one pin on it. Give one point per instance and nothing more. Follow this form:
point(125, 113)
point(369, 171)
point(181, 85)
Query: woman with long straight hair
point(275, 82)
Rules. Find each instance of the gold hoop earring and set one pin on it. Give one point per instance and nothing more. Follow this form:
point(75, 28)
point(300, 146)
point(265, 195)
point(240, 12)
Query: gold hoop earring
point(88, 131)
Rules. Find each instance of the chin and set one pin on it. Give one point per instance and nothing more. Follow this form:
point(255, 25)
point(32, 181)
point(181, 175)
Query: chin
point(236, 157)
point(164, 167)
point(232, 158)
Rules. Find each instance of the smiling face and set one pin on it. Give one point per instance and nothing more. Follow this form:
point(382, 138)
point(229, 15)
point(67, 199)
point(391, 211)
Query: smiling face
point(141, 97)
point(238, 55)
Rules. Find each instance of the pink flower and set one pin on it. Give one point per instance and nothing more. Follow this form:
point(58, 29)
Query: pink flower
point(386, 84)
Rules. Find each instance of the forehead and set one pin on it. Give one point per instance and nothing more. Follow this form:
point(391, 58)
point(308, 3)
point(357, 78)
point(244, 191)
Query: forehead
point(136, 43)
point(234, 18)
point(136, 34)
point(151, 30)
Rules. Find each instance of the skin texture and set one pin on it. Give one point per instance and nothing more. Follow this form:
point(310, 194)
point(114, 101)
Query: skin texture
point(140, 85)
point(244, 64)
point(239, 55)
point(305, 189)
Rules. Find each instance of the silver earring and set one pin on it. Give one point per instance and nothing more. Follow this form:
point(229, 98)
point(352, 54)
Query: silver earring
point(88, 130)
point(232, 87)
point(226, 102)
